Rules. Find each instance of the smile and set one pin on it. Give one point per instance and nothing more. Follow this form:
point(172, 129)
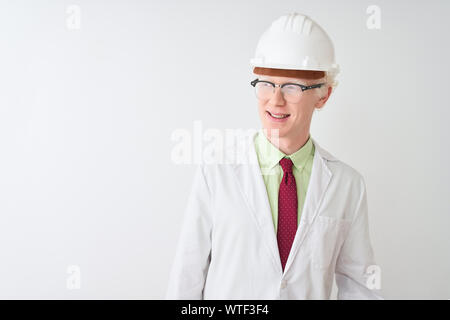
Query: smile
point(277, 116)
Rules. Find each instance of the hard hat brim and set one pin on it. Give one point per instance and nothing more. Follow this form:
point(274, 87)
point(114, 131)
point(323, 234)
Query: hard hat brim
point(290, 73)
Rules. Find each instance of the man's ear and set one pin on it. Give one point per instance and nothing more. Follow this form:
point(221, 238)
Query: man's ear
point(324, 99)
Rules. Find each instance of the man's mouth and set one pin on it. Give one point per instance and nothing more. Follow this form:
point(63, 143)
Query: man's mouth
point(278, 115)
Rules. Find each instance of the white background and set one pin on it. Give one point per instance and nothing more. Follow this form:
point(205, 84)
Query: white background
point(86, 117)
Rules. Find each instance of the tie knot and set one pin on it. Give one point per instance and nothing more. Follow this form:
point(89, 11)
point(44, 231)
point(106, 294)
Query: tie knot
point(286, 164)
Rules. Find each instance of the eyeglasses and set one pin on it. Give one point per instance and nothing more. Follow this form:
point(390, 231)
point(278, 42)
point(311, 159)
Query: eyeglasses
point(292, 92)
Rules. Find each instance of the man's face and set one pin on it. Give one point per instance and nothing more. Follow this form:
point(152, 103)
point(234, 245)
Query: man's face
point(300, 113)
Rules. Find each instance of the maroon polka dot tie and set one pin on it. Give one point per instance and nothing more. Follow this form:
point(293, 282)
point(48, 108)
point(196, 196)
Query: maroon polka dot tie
point(287, 211)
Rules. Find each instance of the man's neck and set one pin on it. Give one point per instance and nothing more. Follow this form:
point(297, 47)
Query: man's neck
point(289, 145)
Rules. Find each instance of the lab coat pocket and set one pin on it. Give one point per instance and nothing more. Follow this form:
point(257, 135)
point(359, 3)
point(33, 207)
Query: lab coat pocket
point(328, 235)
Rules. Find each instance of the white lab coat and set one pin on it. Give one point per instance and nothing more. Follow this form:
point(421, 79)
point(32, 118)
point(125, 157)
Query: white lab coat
point(228, 247)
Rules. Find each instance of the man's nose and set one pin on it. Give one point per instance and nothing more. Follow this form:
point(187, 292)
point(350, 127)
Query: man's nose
point(277, 97)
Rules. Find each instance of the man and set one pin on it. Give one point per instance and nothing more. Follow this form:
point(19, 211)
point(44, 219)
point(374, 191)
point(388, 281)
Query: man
point(284, 222)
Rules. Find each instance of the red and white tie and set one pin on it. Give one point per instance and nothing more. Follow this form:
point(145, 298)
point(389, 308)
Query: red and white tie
point(287, 211)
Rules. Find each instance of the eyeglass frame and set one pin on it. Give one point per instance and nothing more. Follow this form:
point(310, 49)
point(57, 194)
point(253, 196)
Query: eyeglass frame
point(274, 85)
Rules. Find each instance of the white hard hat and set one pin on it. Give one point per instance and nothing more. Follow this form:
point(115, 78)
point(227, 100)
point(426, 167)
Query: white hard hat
point(295, 41)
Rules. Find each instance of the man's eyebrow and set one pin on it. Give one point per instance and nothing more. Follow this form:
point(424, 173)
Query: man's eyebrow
point(294, 81)
point(297, 81)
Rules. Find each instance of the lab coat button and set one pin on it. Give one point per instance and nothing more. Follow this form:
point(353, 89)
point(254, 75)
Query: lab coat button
point(283, 284)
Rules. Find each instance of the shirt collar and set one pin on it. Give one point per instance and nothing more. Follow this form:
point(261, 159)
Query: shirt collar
point(269, 155)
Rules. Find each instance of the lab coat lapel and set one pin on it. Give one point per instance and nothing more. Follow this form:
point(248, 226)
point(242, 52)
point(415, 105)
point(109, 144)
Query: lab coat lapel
point(250, 179)
point(318, 183)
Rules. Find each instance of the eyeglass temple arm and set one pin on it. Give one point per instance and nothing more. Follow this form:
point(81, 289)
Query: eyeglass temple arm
point(318, 85)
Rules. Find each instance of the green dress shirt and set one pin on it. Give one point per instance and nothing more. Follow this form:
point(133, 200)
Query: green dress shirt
point(269, 157)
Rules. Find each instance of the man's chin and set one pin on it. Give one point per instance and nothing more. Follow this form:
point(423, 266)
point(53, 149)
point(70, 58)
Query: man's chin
point(279, 131)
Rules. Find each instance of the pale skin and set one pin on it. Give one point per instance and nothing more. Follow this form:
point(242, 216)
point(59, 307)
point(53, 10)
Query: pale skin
point(294, 132)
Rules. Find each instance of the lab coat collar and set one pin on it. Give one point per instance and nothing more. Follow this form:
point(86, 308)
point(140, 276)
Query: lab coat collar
point(250, 180)
point(269, 155)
